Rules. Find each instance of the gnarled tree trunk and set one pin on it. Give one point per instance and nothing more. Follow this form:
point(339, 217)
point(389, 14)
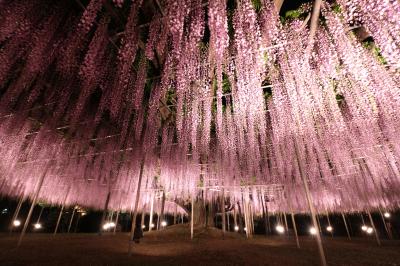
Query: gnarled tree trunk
point(204, 214)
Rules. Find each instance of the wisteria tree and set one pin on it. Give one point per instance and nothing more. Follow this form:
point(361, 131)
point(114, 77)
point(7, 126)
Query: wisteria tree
point(225, 105)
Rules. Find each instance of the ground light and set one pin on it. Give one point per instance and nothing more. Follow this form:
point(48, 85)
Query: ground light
point(329, 228)
point(107, 226)
point(37, 226)
point(163, 223)
point(152, 225)
point(236, 228)
point(386, 214)
point(143, 226)
point(16, 223)
point(245, 229)
point(279, 228)
point(370, 230)
point(364, 228)
point(313, 231)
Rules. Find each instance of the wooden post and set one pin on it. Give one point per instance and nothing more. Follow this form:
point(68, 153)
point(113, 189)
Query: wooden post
point(110, 216)
point(246, 226)
point(223, 213)
point(103, 217)
point(311, 207)
point(286, 225)
point(345, 224)
point(158, 221)
point(295, 231)
point(384, 224)
point(240, 217)
point(247, 219)
point(176, 210)
point(142, 219)
point(133, 227)
point(61, 211)
point(268, 221)
point(151, 212)
point(37, 192)
point(116, 222)
point(249, 226)
point(319, 223)
point(77, 223)
point(72, 218)
point(313, 27)
point(58, 220)
point(40, 215)
point(191, 218)
point(329, 222)
point(162, 209)
point(15, 216)
point(234, 218)
point(227, 219)
point(251, 209)
point(327, 217)
point(373, 227)
point(294, 225)
point(264, 214)
point(277, 218)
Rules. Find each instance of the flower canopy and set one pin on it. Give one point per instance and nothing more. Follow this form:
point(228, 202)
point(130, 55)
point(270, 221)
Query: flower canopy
point(210, 97)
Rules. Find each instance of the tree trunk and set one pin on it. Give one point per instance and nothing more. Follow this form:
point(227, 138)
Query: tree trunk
point(204, 214)
point(162, 208)
point(264, 215)
point(240, 220)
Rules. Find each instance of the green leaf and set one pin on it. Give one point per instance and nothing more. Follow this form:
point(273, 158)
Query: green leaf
point(337, 8)
point(376, 51)
point(256, 5)
point(226, 85)
point(292, 14)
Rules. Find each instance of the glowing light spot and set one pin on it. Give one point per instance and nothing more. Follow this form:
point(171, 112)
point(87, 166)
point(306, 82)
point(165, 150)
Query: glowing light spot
point(364, 228)
point(313, 231)
point(386, 214)
point(236, 228)
point(280, 229)
point(37, 226)
point(329, 228)
point(107, 226)
point(163, 223)
point(17, 223)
